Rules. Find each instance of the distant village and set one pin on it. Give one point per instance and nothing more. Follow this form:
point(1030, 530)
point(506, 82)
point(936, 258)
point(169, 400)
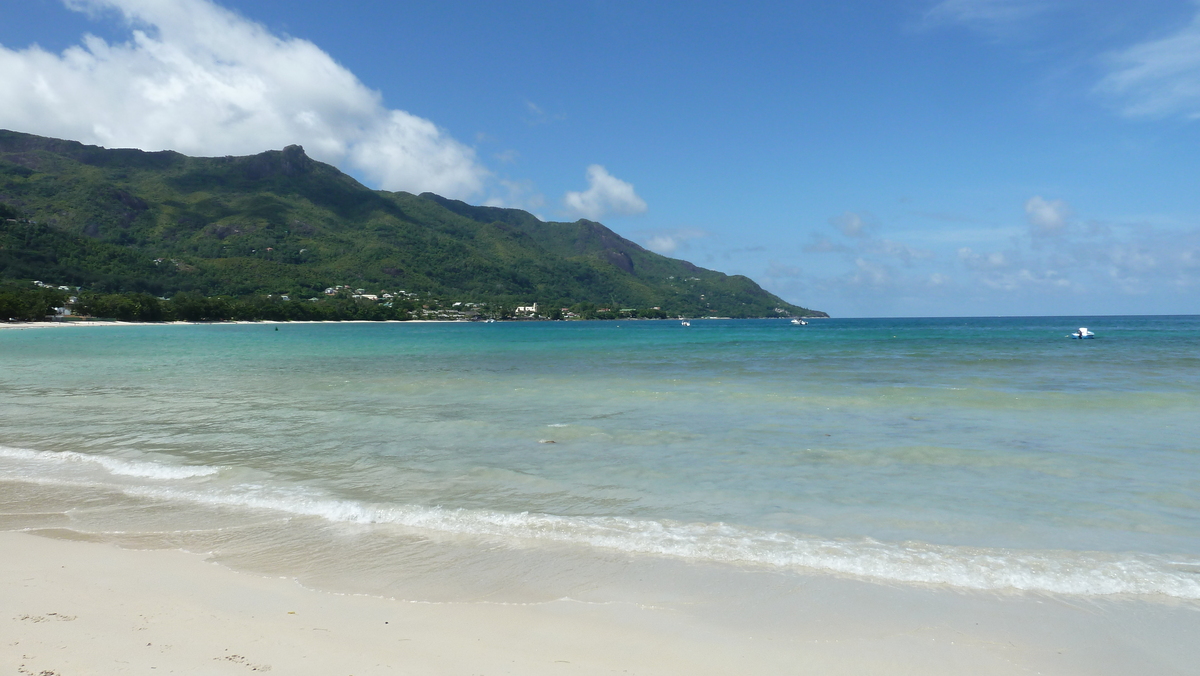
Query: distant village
point(466, 311)
point(421, 308)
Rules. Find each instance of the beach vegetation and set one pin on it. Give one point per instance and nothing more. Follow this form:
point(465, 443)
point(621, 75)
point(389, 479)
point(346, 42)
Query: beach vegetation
point(232, 236)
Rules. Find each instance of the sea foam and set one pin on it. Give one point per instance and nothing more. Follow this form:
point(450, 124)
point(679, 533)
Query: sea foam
point(115, 466)
point(1087, 573)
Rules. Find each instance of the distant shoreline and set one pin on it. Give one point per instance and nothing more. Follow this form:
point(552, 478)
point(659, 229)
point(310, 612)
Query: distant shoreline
point(105, 322)
point(117, 322)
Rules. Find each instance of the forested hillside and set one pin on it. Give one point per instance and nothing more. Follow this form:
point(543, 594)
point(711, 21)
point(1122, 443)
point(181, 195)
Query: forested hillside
point(281, 224)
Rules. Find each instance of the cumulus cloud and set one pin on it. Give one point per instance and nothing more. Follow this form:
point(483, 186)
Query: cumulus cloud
point(1086, 266)
point(670, 241)
point(1047, 217)
point(1131, 260)
point(859, 231)
point(870, 274)
point(606, 195)
point(1159, 77)
point(203, 80)
point(865, 270)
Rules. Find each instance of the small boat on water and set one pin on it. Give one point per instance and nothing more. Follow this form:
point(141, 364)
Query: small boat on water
point(1083, 332)
point(685, 323)
point(799, 322)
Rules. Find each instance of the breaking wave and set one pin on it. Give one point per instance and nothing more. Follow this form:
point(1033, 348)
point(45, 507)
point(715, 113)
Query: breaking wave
point(1087, 573)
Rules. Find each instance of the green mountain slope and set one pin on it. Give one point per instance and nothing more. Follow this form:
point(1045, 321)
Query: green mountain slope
point(282, 223)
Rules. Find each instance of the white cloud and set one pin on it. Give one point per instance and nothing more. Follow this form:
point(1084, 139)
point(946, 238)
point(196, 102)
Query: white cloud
point(854, 225)
point(537, 115)
point(516, 195)
point(985, 11)
point(606, 194)
point(1000, 19)
point(860, 229)
point(870, 273)
point(995, 260)
point(507, 156)
point(1046, 217)
point(822, 244)
point(1160, 77)
point(668, 242)
point(903, 252)
point(203, 80)
point(1130, 260)
point(1012, 270)
point(1087, 266)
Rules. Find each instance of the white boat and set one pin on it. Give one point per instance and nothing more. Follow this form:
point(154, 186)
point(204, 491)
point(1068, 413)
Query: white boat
point(1083, 332)
point(685, 323)
point(799, 322)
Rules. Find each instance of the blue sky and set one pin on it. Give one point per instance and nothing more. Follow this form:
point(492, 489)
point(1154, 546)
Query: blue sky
point(912, 157)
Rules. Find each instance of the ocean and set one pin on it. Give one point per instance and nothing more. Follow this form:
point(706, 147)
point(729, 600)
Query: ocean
point(526, 461)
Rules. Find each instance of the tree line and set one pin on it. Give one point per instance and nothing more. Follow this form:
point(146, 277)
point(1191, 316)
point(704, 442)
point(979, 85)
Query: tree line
point(23, 304)
point(19, 302)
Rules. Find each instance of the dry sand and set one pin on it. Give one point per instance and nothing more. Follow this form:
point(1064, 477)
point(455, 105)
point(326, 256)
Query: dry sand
point(69, 608)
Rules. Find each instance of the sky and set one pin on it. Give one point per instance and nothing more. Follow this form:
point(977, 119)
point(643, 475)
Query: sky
point(862, 157)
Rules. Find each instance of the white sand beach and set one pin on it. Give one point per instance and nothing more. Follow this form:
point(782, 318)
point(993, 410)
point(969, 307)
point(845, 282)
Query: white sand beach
point(73, 607)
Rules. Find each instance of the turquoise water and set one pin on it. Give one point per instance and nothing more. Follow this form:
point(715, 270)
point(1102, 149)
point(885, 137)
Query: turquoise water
point(969, 453)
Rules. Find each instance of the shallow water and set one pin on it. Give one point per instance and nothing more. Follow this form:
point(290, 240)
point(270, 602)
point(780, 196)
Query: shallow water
point(968, 453)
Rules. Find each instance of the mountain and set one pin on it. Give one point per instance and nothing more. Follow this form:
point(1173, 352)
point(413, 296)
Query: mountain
point(122, 220)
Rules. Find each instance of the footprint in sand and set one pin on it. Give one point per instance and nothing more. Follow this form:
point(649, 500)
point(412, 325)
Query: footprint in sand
point(238, 659)
point(48, 617)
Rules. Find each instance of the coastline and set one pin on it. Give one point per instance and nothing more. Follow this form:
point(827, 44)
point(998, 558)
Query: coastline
point(105, 322)
point(73, 606)
point(117, 322)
